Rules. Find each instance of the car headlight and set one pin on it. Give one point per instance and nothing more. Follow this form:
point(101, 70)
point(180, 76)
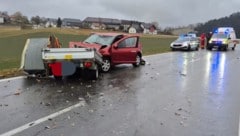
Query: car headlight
point(224, 42)
point(185, 44)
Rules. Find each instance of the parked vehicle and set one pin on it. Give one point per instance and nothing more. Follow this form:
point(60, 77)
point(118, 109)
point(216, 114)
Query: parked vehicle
point(115, 48)
point(222, 38)
point(185, 42)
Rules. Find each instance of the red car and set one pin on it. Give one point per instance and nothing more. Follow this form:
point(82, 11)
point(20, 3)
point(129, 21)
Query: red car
point(116, 48)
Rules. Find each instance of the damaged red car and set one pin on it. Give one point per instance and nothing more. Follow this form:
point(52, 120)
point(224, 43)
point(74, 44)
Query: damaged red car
point(115, 48)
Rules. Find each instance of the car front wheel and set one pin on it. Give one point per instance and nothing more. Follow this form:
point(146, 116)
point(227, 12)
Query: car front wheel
point(106, 65)
point(138, 61)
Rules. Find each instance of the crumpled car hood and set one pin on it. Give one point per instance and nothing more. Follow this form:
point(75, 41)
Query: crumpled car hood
point(84, 45)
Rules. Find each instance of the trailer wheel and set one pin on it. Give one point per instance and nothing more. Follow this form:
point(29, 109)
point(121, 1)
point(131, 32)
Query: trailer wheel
point(58, 77)
point(89, 74)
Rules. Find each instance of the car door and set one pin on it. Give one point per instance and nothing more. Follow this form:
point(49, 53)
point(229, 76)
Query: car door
point(125, 50)
point(194, 43)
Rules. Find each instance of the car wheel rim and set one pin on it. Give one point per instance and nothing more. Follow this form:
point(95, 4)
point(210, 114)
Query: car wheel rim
point(106, 65)
point(138, 60)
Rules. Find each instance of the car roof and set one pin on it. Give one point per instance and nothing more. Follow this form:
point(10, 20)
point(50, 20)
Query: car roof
point(114, 34)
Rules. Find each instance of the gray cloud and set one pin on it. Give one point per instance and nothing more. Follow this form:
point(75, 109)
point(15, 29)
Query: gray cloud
point(167, 13)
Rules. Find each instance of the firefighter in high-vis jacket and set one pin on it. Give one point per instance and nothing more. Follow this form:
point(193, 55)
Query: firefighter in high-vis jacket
point(203, 41)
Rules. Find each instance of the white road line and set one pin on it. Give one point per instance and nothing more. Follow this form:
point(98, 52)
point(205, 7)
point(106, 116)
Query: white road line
point(239, 127)
point(13, 78)
point(158, 54)
point(41, 120)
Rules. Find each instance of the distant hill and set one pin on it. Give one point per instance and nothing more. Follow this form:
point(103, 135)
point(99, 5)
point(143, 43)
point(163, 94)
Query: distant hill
point(231, 21)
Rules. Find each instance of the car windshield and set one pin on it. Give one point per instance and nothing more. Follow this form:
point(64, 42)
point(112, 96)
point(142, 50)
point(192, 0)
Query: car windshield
point(183, 39)
point(100, 39)
point(219, 35)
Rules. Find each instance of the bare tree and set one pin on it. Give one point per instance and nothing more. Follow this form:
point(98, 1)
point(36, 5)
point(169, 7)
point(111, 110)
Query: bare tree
point(36, 20)
point(18, 18)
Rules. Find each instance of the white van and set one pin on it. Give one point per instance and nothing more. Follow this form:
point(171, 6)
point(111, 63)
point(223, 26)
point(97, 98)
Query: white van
point(222, 38)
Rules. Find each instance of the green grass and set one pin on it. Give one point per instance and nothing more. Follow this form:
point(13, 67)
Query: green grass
point(155, 45)
point(12, 43)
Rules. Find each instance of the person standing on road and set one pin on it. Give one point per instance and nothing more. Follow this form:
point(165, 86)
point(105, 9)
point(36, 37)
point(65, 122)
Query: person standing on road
point(203, 40)
point(209, 35)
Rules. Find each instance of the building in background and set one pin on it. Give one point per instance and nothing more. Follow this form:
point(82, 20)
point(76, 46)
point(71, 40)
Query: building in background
point(71, 23)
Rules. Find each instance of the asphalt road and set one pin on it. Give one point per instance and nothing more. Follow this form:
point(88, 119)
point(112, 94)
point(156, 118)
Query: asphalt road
point(174, 94)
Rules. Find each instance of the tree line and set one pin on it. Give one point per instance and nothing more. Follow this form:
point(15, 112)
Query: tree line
point(18, 18)
point(230, 21)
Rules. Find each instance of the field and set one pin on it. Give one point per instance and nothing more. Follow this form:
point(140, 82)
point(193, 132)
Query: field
point(13, 41)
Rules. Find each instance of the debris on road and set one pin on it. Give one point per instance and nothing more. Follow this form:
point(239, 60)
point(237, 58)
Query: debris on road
point(177, 114)
point(182, 74)
point(31, 124)
point(91, 111)
point(38, 80)
point(110, 86)
point(101, 94)
point(17, 93)
point(73, 124)
point(88, 86)
point(59, 91)
point(89, 95)
point(182, 123)
point(47, 104)
point(81, 99)
point(47, 127)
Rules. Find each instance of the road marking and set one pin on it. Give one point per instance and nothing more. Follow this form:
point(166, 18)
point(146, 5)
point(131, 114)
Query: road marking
point(158, 54)
point(239, 127)
point(41, 120)
point(13, 78)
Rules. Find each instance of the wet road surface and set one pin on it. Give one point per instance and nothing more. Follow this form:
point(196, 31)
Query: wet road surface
point(177, 93)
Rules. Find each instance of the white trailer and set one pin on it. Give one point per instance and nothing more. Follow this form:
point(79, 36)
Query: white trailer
point(40, 60)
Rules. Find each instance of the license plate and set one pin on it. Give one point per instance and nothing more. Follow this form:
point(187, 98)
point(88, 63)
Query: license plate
point(68, 56)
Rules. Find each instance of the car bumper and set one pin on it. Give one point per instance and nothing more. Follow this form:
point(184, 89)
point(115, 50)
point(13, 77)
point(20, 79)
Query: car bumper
point(212, 45)
point(179, 47)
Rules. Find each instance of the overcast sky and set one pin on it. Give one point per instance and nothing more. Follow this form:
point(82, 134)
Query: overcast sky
point(166, 12)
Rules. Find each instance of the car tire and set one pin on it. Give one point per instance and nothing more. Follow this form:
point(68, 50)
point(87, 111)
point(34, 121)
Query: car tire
point(138, 61)
point(189, 48)
point(226, 48)
point(209, 48)
point(197, 48)
point(106, 65)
